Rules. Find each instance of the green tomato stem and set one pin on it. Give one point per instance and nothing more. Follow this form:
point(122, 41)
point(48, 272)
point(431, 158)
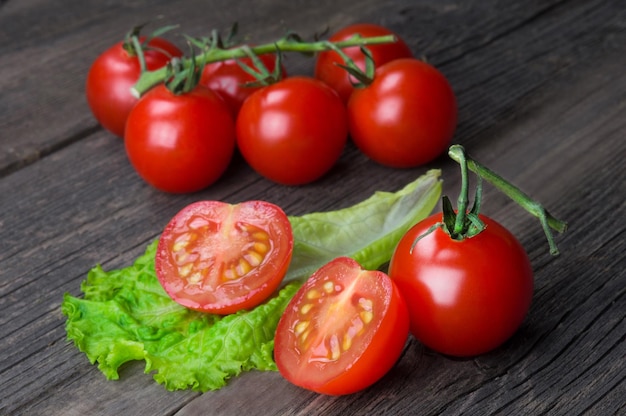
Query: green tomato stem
point(457, 153)
point(287, 44)
point(462, 201)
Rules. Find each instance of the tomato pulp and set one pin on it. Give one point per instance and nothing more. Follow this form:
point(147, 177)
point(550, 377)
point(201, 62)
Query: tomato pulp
point(219, 258)
point(465, 297)
point(342, 331)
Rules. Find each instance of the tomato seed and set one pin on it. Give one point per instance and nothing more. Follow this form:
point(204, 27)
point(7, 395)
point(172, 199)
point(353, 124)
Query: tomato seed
point(366, 304)
point(253, 258)
point(366, 316)
point(335, 352)
point(313, 294)
point(306, 308)
point(347, 342)
point(243, 267)
point(183, 271)
point(195, 278)
point(300, 327)
point(179, 245)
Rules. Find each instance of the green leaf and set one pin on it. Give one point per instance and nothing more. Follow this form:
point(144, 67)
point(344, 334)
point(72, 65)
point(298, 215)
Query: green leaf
point(125, 315)
point(368, 231)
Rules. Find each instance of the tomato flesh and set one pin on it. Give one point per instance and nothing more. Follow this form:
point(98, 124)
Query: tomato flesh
point(219, 258)
point(465, 297)
point(343, 330)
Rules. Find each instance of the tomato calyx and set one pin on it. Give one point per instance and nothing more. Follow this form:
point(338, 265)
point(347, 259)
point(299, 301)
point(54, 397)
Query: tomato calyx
point(464, 223)
point(363, 77)
point(134, 45)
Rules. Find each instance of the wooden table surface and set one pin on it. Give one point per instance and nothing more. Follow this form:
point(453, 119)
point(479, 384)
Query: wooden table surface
point(541, 87)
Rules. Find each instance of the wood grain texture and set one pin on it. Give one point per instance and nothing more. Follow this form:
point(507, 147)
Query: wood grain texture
point(542, 96)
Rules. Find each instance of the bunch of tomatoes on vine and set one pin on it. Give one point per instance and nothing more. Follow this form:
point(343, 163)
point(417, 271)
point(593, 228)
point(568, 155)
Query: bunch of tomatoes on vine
point(459, 281)
point(183, 117)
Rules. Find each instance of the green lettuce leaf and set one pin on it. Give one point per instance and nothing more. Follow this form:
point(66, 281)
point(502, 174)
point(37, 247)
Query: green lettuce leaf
point(368, 231)
point(125, 315)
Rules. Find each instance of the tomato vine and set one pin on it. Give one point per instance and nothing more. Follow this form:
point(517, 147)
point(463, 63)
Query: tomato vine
point(214, 53)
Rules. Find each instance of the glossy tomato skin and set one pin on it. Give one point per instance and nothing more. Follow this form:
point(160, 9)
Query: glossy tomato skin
point(180, 143)
point(112, 75)
point(326, 68)
point(406, 117)
point(229, 80)
point(343, 330)
point(294, 131)
point(465, 297)
point(220, 258)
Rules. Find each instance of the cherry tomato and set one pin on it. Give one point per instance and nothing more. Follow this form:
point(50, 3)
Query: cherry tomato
point(342, 331)
point(112, 75)
point(326, 68)
point(229, 80)
point(406, 117)
point(180, 143)
point(465, 297)
point(220, 258)
point(293, 131)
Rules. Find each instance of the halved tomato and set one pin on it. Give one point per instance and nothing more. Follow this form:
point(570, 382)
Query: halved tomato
point(219, 258)
point(343, 330)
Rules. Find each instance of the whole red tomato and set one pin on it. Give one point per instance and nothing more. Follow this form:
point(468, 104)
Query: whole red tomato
point(326, 68)
point(465, 297)
point(343, 330)
point(294, 131)
point(406, 117)
point(180, 143)
point(112, 75)
point(229, 79)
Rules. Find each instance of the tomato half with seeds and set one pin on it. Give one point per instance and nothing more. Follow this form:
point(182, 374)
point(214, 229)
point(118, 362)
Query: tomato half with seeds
point(343, 330)
point(220, 258)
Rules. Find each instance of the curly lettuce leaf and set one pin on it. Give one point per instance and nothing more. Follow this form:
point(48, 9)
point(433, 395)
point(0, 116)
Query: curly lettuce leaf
point(125, 315)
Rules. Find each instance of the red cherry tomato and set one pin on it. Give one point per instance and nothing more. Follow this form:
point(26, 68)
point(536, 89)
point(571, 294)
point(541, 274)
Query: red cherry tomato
point(294, 131)
point(406, 117)
point(180, 143)
point(465, 297)
point(112, 75)
point(229, 80)
point(326, 68)
point(219, 258)
point(342, 331)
